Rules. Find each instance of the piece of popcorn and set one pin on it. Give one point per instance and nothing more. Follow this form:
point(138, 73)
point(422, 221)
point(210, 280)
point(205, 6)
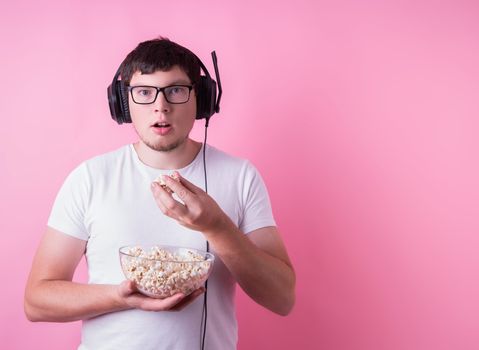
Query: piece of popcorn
point(162, 183)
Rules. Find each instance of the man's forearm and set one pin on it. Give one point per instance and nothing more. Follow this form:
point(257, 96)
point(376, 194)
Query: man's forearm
point(266, 279)
point(64, 301)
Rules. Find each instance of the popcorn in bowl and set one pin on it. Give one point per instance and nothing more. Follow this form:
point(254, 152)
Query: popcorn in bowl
point(162, 271)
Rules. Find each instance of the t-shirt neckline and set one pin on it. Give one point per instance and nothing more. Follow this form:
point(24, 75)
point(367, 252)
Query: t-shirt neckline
point(150, 168)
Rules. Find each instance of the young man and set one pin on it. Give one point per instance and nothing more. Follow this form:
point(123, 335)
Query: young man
point(112, 201)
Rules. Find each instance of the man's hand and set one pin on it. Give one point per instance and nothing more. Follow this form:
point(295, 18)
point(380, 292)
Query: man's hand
point(199, 212)
point(129, 295)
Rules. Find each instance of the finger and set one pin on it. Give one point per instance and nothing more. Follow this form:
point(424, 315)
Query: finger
point(188, 300)
point(160, 195)
point(181, 191)
point(157, 194)
point(167, 204)
point(153, 304)
point(189, 185)
point(127, 288)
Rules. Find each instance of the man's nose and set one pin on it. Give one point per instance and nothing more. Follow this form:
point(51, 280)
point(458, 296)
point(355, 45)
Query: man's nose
point(161, 104)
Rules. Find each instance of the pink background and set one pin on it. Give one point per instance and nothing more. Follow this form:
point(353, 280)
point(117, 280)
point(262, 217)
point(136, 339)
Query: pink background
point(361, 115)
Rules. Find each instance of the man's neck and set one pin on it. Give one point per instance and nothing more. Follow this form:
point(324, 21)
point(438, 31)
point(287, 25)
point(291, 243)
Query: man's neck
point(178, 158)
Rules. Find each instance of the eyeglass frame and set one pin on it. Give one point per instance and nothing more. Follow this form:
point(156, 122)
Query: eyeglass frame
point(158, 90)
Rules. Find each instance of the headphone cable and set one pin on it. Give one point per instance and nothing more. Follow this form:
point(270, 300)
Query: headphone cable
point(204, 314)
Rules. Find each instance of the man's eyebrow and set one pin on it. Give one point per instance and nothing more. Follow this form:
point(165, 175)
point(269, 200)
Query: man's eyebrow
point(180, 82)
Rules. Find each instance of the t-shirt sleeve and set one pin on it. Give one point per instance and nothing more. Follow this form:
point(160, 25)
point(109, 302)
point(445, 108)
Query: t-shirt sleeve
point(257, 212)
point(69, 209)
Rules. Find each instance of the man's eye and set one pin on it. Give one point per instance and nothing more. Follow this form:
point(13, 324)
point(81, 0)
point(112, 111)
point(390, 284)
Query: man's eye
point(144, 92)
point(175, 89)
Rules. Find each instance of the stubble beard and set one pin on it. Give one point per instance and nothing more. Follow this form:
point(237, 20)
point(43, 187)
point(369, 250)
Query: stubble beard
point(164, 148)
point(160, 147)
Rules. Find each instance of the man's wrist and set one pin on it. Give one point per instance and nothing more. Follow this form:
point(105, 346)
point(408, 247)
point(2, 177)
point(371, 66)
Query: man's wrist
point(223, 226)
point(119, 302)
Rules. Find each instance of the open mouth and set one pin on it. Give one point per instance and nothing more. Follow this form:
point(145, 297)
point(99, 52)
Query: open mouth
point(162, 128)
point(161, 125)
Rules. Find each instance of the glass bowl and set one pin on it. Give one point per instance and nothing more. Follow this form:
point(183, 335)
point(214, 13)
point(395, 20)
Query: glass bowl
point(161, 271)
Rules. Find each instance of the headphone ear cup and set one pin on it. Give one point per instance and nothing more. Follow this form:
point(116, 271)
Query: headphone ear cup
point(114, 103)
point(118, 102)
point(123, 99)
point(205, 97)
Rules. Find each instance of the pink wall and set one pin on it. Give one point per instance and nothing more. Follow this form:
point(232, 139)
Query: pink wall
point(361, 115)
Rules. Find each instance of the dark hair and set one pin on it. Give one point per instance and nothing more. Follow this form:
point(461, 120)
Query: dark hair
point(159, 54)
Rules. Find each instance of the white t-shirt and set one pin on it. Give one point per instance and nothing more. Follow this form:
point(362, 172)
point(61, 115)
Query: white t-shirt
point(107, 201)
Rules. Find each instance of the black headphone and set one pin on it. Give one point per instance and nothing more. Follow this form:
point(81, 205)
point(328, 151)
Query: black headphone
point(206, 102)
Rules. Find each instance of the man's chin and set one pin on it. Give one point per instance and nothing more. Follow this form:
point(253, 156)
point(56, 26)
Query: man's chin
point(164, 147)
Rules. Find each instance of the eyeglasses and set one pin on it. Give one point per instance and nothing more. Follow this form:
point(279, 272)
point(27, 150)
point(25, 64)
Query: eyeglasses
point(175, 94)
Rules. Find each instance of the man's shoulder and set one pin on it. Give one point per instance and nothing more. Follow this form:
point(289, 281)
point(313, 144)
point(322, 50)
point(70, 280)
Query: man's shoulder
point(109, 157)
point(230, 166)
point(224, 159)
point(106, 161)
